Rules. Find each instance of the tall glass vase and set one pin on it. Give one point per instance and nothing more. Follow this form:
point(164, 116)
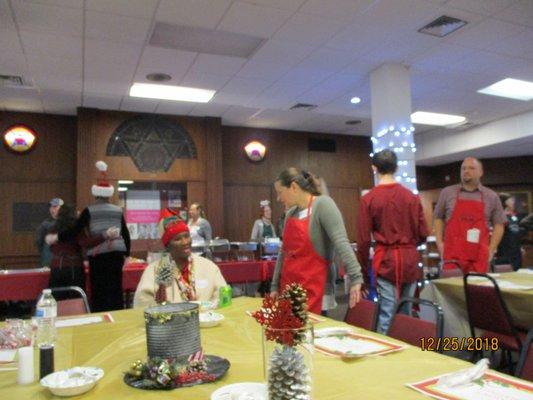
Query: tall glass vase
point(288, 363)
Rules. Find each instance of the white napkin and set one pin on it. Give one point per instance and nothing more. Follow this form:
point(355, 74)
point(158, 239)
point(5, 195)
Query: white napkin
point(465, 376)
point(525, 271)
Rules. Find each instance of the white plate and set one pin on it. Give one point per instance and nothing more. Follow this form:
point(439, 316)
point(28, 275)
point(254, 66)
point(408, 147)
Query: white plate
point(207, 305)
point(241, 391)
point(338, 330)
point(73, 381)
point(209, 319)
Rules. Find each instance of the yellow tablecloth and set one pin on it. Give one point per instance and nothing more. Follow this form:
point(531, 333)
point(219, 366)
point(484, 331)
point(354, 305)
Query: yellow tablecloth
point(449, 294)
point(113, 346)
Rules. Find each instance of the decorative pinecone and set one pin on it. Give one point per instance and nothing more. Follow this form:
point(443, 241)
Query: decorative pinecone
point(288, 376)
point(164, 274)
point(298, 297)
point(197, 366)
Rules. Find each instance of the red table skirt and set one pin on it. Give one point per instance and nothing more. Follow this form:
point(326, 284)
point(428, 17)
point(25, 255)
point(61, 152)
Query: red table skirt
point(29, 285)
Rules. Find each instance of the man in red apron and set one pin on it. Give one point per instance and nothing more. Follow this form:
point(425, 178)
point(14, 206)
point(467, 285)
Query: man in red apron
point(393, 216)
point(462, 217)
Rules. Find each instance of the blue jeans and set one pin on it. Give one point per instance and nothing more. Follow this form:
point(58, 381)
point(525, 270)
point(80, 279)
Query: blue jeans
point(387, 296)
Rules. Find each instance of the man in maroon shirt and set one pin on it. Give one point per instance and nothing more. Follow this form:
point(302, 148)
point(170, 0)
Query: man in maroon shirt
point(393, 215)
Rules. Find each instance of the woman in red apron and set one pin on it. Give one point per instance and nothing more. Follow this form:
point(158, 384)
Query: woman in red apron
point(466, 237)
point(301, 262)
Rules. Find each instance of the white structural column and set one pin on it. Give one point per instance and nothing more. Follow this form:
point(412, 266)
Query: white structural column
point(391, 118)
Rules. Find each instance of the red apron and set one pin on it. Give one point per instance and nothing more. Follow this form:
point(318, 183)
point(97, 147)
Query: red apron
point(467, 215)
point(301, 263)
point(379, 254)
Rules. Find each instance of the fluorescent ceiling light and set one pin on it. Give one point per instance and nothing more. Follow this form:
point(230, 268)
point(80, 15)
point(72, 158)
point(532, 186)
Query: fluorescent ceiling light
point(511, 88)
point(355, 100)
point(122, 189)
point(428, 118)
point(125, 182)
point(169, 92)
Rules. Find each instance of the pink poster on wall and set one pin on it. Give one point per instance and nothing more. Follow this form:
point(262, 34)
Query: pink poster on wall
point(142, 213)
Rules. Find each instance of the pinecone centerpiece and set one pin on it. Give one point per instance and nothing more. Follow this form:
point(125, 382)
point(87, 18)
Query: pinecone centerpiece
point(289, 340)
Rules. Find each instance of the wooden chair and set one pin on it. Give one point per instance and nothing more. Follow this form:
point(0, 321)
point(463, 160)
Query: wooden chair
point(412, 330)
point(363, 315)
point(75, 306)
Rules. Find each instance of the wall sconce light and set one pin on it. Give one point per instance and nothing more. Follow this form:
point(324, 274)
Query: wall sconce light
point(255, 151)
point(19, 139)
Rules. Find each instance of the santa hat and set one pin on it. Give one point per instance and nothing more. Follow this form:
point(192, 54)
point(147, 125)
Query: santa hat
point(172, 229)
point(264, 203)
point(102, 188)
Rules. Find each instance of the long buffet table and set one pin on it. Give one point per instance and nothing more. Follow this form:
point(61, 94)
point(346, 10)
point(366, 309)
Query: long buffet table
point(114, 346)
point(28, 284)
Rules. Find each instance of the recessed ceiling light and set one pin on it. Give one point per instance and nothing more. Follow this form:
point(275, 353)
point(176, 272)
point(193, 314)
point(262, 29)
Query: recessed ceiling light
point(158, 77)
point(355, 100)
point(169, 92)
point(510, 88)
point(428, 118)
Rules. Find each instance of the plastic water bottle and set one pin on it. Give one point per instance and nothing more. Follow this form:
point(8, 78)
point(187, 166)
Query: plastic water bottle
point(46, 314)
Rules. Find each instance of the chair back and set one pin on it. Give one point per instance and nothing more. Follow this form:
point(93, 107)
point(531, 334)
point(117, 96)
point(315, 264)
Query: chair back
point(363, 315)
point(412, 330)
point(524, 368)
point(75, 306)
point(485, 306)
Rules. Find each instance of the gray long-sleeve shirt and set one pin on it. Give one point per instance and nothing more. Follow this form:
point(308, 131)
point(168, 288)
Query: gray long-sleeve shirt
point(328, 235)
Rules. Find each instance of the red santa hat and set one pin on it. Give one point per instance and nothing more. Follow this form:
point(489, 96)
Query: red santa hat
point(172, 229)
point(102, 188)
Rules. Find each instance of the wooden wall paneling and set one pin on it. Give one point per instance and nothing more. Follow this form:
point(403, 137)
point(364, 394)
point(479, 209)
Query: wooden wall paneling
point(21, 244)
point(242, 209)
point(347, 200)
point(214, 175)
point(197, 193)
point(95, 128)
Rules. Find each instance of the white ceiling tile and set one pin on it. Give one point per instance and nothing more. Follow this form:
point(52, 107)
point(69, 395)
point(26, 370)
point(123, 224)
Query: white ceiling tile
point(359, 38)
point(55, 73)
point(336, 9)
point(518, 13)
point(309, 30)
point(440, 57)
point(12, 60)
point(237, 115)
point(116, 28)
point(399, 12)
point(253, 19)
point(283, 51)
point(59, 3)
point(305, 76)
point(485, 62)
point(204, 81)
point(169, 61)
point(331, 89)
point(403, 48)
point(244, 86)
point(486, 7)
point(137, 104)
point(328, 60)
point(174, 107)
point(106, 51)
point(130, 8)
point(91, 100)
point(6, 17)
point(484, 34)
point(209, 109)
point(202, 13)
point(20, 100)
point(108, 79)
point(45, 44)
point(268, 71)
point(214, 64)
point(520, 45)
point(51, 19)
point(291, 5)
